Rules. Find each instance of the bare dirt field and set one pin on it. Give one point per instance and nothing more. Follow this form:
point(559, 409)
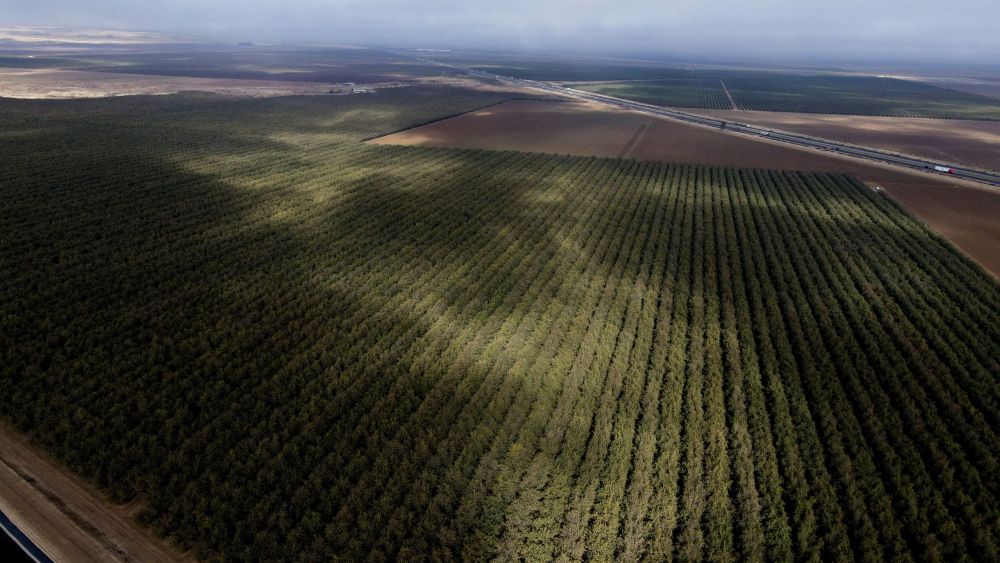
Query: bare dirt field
point(963, 212)
point(65, 517)
point(974, 143)
point(967, 216)
point(553, 127)
point(56, 84)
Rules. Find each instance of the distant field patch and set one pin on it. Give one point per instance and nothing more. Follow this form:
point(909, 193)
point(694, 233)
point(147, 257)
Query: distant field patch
point(770, 91)
point(62, 84)
point(563, 71)
point(856, 95)
point(552, 127)
point(681, 93)
point(324, 65)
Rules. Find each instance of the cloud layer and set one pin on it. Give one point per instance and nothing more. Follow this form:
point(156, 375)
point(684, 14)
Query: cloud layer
point(914, 30)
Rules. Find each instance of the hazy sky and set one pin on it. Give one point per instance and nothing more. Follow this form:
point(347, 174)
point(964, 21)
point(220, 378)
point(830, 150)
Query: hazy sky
point(928, 30)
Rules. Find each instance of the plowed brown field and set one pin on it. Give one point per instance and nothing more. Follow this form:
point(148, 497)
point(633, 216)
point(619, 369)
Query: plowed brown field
point(965, 213)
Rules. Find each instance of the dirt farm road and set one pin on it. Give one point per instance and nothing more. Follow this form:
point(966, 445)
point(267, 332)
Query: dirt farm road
point(732, 102)
point(66, 518)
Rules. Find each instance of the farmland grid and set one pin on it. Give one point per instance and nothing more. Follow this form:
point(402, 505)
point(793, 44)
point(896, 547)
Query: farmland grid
point(683, 93)
point(291, 344)
point(822, 94)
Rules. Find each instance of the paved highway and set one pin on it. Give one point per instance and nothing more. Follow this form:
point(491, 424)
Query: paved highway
point(801, 140)
point(17, 547)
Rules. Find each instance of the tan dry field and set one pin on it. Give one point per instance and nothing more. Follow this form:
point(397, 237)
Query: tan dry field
point(65, 84)
point(26, 34)
point(66, 517)
point(961, 211)
point(973, 143)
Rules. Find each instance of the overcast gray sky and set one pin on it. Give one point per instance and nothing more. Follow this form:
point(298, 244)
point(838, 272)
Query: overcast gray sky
point(927, 30)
